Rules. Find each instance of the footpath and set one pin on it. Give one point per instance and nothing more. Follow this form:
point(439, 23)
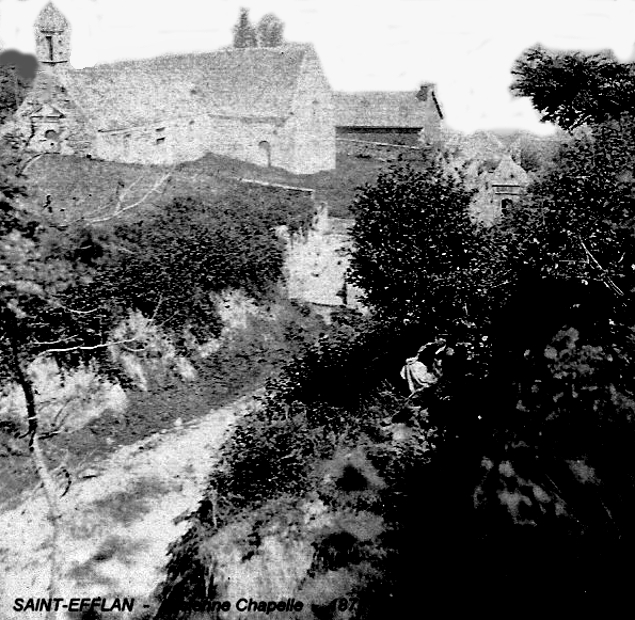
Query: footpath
point(118, 518)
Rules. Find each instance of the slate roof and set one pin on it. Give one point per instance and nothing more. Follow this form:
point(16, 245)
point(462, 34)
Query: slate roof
point(246, 83)
point(509, 172)
point(51, 20)
point(385, 109)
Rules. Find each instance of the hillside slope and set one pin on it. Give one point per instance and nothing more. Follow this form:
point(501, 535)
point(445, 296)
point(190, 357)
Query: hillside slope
point(118, 519)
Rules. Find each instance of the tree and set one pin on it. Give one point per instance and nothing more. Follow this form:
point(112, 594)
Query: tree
point(562, 346)
point(578, 221)
point(554, 298)
point(17, 72)
point(38, 319)
point(571, 89)
point(244, 32)
point(270, 31)
point(418, 256)
point(531, 467)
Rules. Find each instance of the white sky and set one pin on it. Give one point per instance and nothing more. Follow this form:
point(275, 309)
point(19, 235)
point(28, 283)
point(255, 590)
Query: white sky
point(466, 46)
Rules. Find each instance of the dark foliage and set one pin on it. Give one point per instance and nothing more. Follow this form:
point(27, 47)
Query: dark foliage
point(66, 288)
point(513, 483)
point(420, 259)
point(571, 89)
point(17, 72)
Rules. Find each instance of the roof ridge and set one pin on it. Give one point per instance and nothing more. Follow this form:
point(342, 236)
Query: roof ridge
point(50, 18)
point(181, 55)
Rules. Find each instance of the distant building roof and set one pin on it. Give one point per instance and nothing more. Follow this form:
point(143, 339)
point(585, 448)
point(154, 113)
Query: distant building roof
point(406, 109)
point(50, 19)
point(509, 172)
point(245, 83)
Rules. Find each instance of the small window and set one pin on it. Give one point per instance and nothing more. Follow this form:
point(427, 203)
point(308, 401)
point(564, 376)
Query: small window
point(265, 153)
point(51, 134)
point(49, 45)
point(160, 141)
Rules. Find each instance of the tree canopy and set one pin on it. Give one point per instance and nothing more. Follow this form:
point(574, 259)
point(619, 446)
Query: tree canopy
point(17, 72)
point(571, 89)
point(268, 32)
point(244, 32)
point(418, 256)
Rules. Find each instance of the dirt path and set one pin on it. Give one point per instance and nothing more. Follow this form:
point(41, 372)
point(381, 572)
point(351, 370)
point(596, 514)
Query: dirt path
point(118, 518)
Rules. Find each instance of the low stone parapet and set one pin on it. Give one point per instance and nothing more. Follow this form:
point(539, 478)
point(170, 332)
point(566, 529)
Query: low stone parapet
point(382, 151)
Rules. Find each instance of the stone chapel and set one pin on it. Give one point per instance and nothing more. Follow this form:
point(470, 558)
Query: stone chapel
point(267, 106)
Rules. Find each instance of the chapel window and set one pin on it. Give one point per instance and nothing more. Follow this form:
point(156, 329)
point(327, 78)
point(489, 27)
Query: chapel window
point(49, 45)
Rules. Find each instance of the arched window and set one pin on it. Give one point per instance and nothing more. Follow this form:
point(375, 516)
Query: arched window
point(264, 148)
point(51, 134)
point(49, 46)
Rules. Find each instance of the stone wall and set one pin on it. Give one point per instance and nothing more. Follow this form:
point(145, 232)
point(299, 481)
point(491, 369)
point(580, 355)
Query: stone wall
point(378, 150)
point(317, 261)
point(312, 123)
point(258, 141)
point(303, 143)
point(49, 121)
point(405, 137)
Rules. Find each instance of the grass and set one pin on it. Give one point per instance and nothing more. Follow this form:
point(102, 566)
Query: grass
point(254, 355)
point(78, 187)
point(335, 187)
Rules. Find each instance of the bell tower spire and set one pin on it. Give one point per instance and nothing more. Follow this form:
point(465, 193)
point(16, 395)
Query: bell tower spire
point(52, 37)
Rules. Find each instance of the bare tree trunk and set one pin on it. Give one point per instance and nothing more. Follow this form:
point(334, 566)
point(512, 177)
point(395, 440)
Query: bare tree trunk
point(39, 461)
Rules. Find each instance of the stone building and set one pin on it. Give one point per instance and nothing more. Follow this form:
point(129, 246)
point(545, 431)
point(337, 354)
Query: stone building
point(395, 117)
point(497, 189)
point(507, 182)
point(267, 106)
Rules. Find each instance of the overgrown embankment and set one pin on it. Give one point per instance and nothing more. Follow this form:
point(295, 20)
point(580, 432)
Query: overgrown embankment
point(509, 476)
point(138, 298)
point(307, 500)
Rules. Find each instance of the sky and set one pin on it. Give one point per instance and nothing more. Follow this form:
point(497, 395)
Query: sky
point(466, 47)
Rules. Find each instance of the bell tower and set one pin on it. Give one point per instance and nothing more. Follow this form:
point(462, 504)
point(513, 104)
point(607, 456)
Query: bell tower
point(52, 38)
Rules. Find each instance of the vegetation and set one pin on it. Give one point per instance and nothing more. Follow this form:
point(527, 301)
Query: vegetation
point(171, 265)
point(267, 33)
point(397, 232)
point(17, 72)
point(512, 475)
point(574, 88)
point(71, 284)
point(244, 32)
point(270, 31)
